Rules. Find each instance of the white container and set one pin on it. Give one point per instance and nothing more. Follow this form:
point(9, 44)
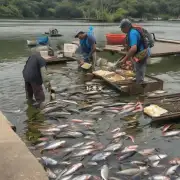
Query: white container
point(69, 49)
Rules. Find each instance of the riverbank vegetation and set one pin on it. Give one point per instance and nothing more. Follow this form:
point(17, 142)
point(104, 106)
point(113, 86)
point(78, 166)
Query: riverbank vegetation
point(107, 10)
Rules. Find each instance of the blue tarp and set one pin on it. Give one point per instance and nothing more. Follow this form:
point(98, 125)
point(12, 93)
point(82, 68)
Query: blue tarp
point(43, 40)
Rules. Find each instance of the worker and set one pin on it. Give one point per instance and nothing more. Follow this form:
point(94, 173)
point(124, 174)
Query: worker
point(87, 49)
point(137, 49)
point(35, 74)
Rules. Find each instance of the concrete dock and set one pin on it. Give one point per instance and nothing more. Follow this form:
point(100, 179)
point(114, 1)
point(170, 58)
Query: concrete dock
point(16, 161)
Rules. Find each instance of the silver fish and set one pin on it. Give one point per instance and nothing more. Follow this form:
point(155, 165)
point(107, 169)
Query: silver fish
point(112, 111)
point(83, 153)
point(113, 147)
point(59, 114)
point(51, 174)
point(91, 92)
point(172, 170)
point(171, 133)
point(105, 172)
point(67, 177)
point(138, 163)
point(146, 152)
point(86, 147)
point(132, 171)
point(78, 145)
point(116, 130)
point(83, 177)
point(62, 126)
point(96, 108)
point(68, 149)
point(49, 161)
point(51, 109)
point(119, 134)
point(54, 129)
point(70, 102)
point(157, 157)
point(92, 163)
point(116, 104)
point(54, 145)
point(72, 169)
point(159, 177)
point(40, 144)
point(64, 163)
point(101, 156)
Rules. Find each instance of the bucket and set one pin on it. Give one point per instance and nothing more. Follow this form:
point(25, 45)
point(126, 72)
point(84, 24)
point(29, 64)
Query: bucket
point(69, 49)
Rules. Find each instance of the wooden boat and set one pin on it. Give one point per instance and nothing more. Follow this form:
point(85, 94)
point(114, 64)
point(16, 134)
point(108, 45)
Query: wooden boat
point(53, 33)
point(32, 42)
point(115, 39)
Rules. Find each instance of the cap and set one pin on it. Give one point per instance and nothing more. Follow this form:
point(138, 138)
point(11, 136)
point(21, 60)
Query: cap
point(80, 32)
point(124, 23)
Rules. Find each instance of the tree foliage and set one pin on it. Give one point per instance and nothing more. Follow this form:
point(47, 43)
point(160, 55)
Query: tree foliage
point(109, 10)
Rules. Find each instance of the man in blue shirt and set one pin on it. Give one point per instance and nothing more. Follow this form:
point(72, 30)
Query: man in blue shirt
point(87, 48)
point(136, 45)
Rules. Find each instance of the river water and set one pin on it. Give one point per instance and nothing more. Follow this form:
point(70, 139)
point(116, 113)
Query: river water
point(14, 52)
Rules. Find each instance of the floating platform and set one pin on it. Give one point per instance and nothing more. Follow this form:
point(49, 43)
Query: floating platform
point(170, 102)
point(97, 49)
point(131, 88)
point(58, 60)
point(53, 35)
point(162, 47)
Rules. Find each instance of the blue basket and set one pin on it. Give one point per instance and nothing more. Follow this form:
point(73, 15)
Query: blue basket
point(42, 40)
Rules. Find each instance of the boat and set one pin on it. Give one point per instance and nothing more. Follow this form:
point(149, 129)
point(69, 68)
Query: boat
point(32, 42)
point(115, 39)
point(53, 33)
point(43, 40)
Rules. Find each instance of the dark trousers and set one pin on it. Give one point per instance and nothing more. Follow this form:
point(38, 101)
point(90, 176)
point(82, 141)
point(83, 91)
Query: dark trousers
point(36, 90)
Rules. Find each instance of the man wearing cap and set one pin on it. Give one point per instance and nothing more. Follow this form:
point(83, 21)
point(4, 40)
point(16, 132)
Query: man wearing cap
point(87, 49)
point(34, 74)
point(135, 45)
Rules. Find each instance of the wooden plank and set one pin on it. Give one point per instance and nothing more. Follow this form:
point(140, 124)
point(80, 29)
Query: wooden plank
point(160, 49)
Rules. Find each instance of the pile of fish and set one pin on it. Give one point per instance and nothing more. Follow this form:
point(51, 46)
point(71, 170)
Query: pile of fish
point(74, 147)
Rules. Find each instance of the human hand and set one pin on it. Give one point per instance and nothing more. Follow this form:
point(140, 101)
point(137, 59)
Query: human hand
point(81, 62)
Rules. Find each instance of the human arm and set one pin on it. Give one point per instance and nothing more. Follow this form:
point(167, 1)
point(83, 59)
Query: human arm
point(78, 55)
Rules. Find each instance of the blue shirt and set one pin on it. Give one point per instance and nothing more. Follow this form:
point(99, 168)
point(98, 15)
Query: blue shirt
point(87, 44)
point(134, 38)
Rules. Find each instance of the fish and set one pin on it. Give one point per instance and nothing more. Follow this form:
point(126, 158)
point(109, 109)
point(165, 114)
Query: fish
point(70, 149)
point(159, 92)
point(83, 152)
point(83, 177)
point(104, 172)
point(91, 92)
point(67, 177)
point(127, 155)
point(129, 149)
point(171, 133)
point(54, 145)
point(54, 129)
point(131, 137)
point(72, 169)
point(95, 96)
point(70, 134)
point(132, 171)
point(59, 114)
point(113, 147)
point(64, 163)
point(116, 130)
point(62, 126)
point(51, 109)
point(78, 145)
point(96, 108)
point(157, 157)
point(146, 152)
point(70, 102)
point(49, 161)
point(119, 134)
point(62, 90)
point(159, 177)
point(116, 104)
point(166, 127)
point(92, 163)
point(101, 156)
point(175, 161)
point(111, 111)
point(40, 144)
point(51, 174)
point(73, 111)
point(172, 170)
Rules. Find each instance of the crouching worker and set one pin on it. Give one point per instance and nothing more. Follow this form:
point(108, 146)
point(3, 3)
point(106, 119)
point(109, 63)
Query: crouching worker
point(87, 49)
point(35, 74)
